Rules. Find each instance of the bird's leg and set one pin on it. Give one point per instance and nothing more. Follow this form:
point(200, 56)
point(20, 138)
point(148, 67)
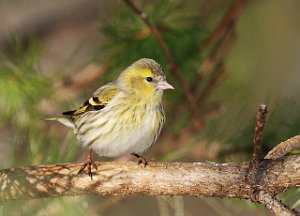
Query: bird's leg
point(141, 159)
point(89, 163)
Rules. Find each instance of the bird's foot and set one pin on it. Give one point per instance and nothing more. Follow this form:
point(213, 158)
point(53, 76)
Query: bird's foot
point(141, 159)
point(89, 163)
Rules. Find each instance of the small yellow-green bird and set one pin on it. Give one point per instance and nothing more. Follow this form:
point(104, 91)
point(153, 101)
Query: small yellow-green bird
point(122, 117)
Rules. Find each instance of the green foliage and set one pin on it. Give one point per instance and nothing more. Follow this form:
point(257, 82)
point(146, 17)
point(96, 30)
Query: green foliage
point(129, 42)
point(22, 86)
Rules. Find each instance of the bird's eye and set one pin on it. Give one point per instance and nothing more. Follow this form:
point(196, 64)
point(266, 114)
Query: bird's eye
point(149, 79)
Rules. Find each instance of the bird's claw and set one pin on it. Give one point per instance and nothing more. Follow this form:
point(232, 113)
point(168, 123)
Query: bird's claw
point(141, 159)
point(89, 164)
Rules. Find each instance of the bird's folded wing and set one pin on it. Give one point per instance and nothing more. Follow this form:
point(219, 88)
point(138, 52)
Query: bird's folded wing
point(98, 101)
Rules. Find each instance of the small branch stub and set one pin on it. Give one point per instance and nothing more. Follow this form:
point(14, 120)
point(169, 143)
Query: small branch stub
point(260, 123)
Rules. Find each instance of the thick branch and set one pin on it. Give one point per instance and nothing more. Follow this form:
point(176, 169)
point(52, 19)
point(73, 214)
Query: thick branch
point(172, 65)
point(127, 178)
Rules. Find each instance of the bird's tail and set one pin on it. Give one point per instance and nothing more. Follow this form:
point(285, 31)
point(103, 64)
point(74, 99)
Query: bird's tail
point(64, 120)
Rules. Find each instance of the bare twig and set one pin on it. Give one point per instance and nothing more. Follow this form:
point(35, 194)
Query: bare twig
point(213, 82)
point(90, 74)
point(274, 205)
point(216, 56)
point(127, 178)
point(172, 65)
point(221, 40)
point(260, 193)
point(82, 79)
point(283, 148)
point(227, 22)
point(260, 123)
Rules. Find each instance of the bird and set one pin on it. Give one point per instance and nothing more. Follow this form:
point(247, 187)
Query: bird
point(123, 117)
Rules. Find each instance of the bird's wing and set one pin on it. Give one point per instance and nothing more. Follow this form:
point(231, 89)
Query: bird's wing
point(98, 101)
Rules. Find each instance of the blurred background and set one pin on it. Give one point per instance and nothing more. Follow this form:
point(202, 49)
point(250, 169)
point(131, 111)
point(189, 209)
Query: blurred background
point(234, 55)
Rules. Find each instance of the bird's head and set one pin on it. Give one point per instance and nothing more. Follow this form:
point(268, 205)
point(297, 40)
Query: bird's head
point(145, 78)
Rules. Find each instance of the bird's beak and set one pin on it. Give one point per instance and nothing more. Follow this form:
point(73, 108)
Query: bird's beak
point(163, 85)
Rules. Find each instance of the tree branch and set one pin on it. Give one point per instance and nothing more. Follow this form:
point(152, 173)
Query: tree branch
point(86, 77)
point(283, 148)
point(213, 82)
point(172, 65)
point(262, 194)
point(127, 178)
point(259, 179)
point(274, 205)
point(221, 40)
point(227, 23)
point(260, 123)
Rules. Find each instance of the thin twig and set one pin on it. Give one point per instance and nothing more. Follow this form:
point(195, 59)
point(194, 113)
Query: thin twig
point(274, 205)
point(86, 77)
point(227, 23)
point(283, 148)
point(260, 123)
point(260, 193)
point(213, 82)
point(221, 40)
point(172, 65)
point(216, 56)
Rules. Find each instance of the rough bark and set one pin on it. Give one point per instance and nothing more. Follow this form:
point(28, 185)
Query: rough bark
point(274, 205)
point(283, 148)
point(127, 178)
